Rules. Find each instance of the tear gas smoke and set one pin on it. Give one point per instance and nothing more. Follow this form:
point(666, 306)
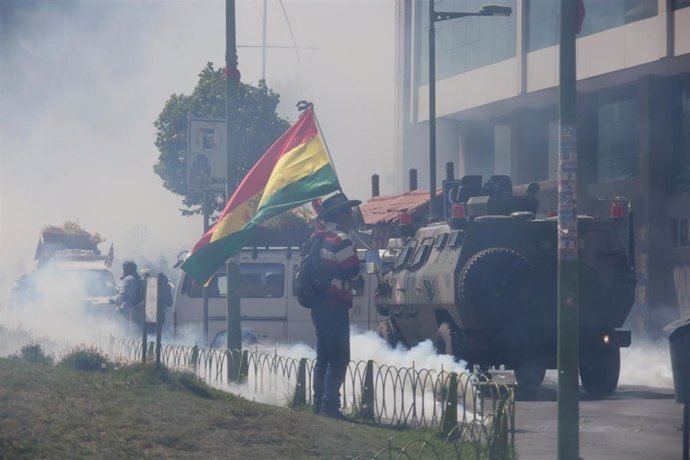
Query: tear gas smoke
point(647, 364)
point(59, 310)
point(81, 83)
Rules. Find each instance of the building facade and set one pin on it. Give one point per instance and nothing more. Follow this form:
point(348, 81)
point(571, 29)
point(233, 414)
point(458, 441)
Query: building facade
point(497, 113)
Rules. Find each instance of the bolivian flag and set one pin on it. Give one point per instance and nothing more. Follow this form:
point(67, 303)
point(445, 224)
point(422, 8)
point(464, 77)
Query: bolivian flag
point(295, 170)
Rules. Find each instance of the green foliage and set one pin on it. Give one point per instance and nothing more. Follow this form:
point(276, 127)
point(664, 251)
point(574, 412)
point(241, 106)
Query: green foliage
point(258, 127)
point(34, 353)
point(85, 358)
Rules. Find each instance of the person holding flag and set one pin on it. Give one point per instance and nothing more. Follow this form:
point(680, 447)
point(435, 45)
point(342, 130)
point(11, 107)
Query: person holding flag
point(339, 265)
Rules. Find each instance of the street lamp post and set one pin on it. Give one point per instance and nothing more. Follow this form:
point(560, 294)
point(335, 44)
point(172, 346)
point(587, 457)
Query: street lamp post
point(434, 17)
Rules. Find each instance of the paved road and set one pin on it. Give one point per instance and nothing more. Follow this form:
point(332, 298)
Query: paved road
point(634, 423)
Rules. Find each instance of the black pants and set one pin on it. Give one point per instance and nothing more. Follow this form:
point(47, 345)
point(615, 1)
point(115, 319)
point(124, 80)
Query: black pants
point(332, 326)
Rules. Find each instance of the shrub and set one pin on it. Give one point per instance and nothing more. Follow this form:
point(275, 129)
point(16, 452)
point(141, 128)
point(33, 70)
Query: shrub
point(34, 353)
point(85, 358)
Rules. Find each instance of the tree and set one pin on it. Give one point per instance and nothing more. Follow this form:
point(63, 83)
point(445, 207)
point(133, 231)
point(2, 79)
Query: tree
point(258, 126)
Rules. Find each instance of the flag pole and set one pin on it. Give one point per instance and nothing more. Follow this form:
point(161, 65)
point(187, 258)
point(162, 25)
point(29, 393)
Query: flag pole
point(323, 139)
point(359, 219)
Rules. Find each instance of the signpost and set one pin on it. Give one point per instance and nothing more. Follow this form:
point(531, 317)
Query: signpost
point(206, 171)
point(206, 161)
point(153, 314)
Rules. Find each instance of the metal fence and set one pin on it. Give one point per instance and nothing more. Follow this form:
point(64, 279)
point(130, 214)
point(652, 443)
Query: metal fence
point(465, 408)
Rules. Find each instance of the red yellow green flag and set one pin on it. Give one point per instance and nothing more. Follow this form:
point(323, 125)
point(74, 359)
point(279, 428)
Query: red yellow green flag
point(295, 170)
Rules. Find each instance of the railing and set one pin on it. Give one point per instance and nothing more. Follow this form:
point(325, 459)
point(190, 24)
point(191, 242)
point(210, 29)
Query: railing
point(464, 407)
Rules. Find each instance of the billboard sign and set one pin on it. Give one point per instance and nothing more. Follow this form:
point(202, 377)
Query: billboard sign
point(207, 155)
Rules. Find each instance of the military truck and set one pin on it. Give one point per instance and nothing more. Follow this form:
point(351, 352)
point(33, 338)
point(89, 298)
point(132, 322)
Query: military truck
point(483, 285)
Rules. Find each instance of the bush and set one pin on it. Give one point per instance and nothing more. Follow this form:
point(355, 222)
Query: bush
point(34, 353)
point(85, 358)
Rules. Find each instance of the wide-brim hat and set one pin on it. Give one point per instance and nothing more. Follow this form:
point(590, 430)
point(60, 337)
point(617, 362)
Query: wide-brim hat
point(336, 204)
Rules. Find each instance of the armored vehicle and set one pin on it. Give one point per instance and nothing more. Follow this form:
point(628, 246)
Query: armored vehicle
point(483, 285)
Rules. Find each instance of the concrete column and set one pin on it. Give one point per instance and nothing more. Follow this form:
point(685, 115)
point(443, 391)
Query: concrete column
point(655, 156)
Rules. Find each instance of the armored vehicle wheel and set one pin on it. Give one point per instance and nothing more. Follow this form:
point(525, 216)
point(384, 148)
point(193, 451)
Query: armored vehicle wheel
point(599, 369)
point(388, 332)
point(446, 342)
point(530, 375)
point(494, 288)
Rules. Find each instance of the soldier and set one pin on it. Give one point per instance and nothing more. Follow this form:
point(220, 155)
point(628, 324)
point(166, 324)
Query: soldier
point(330, 314)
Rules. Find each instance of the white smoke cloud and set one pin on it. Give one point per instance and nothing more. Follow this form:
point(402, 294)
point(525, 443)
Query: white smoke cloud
point(81, 83)
point(647, 364)
point(54, 311)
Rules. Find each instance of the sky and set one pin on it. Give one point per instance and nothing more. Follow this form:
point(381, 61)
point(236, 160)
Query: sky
point(81, 83)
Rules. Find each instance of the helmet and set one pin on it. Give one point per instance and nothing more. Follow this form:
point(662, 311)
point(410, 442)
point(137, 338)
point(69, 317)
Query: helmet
point(129, 267)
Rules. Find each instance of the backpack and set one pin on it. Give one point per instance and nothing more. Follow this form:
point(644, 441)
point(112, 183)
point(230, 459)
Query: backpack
point(309, 283)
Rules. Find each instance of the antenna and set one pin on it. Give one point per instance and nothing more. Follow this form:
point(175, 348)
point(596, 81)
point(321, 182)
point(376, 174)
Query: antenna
point(264, 46)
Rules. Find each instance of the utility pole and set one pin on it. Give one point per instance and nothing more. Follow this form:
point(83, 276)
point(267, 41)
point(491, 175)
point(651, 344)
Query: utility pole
point(264, 37)
point(232, 77)
point(568, 283)
point(432, 109)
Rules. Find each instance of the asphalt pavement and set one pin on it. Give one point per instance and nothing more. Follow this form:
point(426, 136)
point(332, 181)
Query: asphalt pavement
point(634, 423)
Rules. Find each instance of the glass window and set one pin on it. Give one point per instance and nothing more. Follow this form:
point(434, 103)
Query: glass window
point(440, 241)
point(422, 253)
point(543, 18)
point(542, 24)
point(617, 139)
point(261, 280)
point(607, 14)
point(405, 254)
point(463, 44)
point(257, 280)
point(678, 4)
point(455, 239)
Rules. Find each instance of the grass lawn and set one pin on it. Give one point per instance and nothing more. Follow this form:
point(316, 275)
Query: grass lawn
point(135, 412)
